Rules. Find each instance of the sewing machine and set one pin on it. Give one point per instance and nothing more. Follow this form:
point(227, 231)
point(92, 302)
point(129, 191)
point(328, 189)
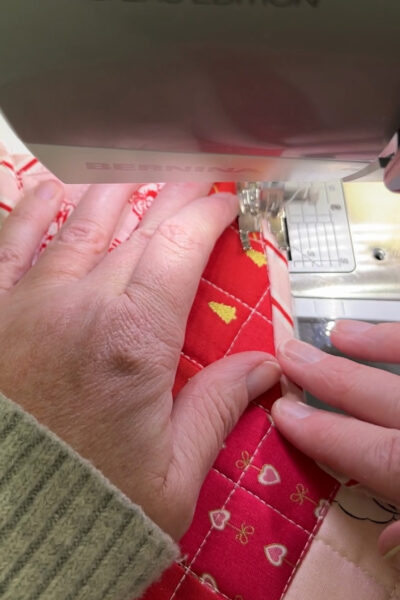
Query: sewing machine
point(301, 94)
point(248, 90)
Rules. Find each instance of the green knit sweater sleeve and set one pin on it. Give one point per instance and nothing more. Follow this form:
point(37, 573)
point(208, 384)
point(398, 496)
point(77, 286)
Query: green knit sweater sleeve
point(65, 532)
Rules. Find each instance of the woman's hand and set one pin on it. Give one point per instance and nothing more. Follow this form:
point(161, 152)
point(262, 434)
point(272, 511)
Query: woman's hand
point(90, 341)
point(366, 444)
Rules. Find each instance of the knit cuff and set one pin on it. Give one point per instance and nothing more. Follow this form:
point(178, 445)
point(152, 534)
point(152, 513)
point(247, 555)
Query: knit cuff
point(66, 532)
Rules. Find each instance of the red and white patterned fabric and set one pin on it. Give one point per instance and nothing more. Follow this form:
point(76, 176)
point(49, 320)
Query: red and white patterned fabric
point(263, 502)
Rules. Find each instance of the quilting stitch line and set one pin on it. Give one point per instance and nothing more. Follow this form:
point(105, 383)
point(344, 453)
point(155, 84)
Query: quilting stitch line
point(356, 564)
point(307, 544)
point(246, 322)
point(214, 591)
point(262, 407)
point(248, 306)
point(192, 360)
point(306, 531)
point(265, 436)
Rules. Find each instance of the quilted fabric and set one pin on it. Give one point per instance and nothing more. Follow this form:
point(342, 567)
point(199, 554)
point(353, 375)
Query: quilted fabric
point(262, 502)
point(343, 562)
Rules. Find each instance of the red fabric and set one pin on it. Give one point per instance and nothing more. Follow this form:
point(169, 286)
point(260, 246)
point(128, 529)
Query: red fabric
point(258, 508)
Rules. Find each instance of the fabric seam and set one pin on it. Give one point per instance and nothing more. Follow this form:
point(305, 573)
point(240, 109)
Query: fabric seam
point(308, 543)
point(306, 531)
point(265, 436)
point(243, 325)
point(357, 564)
point(248, 306)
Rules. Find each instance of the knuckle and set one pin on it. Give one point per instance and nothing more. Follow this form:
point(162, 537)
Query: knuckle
point(84, 232)
point(141, 237)
point(131, 345)
point(118, 349)
point(223, 408)
point(386, 457)
point(123, 358)
point(23, 215)
point(144, 234)
point(178, 237)
point(10, 256)
point(153, 305)
point(341, 379)
point(147, 371)
point(327, 439)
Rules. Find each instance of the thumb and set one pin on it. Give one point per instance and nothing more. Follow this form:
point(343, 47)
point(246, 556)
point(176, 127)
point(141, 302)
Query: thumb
point(389, 543)
point(209, 406)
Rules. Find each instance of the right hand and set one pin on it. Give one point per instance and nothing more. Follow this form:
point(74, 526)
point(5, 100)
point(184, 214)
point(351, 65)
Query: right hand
point(364, 444)
point(90, 341)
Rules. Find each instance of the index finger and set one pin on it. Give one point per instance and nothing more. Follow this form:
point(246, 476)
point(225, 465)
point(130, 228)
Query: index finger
point(367, 341)
point(367, 393)
point(367, 453)
point(168, 273)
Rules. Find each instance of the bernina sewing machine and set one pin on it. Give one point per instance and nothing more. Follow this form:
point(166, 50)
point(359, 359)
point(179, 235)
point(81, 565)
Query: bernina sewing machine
point(296, 98)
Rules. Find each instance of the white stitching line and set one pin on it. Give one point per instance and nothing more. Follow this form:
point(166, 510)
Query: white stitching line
point(356, 564)
point(216, 592)
point(265, 436)
point(306, 531)
point(192, 360)
point(253, 312)
point(262, 407)
point(308, 543)
point(251, 308)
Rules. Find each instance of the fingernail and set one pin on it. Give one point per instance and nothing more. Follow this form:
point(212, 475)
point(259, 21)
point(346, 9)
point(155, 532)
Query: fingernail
point(222, 195)
point(232, 198)
point(260, 379)
point(352, 327)
point(47, 190)
point(394, 556)
point(300, 352)
point(293, 409)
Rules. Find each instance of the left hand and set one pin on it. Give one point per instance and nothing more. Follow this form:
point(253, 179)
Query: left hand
point(90, 341)
point(365, 445)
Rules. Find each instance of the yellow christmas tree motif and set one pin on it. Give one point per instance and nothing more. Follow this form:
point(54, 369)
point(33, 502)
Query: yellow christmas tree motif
point(257, 257)
point(225, 312)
